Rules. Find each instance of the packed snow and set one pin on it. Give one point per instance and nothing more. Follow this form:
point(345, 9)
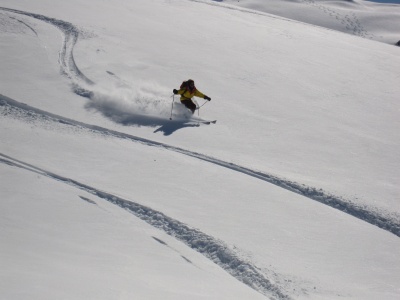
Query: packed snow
point(292, 194)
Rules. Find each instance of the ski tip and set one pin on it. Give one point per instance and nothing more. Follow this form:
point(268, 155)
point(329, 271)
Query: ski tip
point(208, 122)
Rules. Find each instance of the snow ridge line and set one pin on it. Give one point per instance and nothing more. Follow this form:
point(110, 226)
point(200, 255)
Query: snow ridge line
point(256, 12)
point(212, 248)
point(367, 214)
point(66, 56)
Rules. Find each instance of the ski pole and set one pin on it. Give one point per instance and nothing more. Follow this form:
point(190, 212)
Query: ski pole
point(172, 107)
point(198, 107)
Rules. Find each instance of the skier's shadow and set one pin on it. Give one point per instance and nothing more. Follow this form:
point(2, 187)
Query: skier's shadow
point(164, 125)
point(167, 127)
point(171, 127)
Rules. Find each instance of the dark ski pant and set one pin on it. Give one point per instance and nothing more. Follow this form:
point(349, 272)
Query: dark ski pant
point(189, 104)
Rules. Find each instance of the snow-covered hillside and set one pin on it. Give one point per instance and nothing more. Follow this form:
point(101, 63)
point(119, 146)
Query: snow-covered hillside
point(292, 194)
point(377, 20)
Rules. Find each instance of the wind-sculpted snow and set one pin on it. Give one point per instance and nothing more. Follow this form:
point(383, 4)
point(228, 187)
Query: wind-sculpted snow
point(371, 215)
point(210, 247)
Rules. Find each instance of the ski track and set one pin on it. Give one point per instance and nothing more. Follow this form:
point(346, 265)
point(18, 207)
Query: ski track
point(66, 56)
point(367, 214)
point(212, 248)
point(25, 24)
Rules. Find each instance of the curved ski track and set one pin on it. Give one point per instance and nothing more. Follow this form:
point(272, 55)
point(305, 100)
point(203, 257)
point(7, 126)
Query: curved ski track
point(66, 56)
point(373, 217)
point(214, 249)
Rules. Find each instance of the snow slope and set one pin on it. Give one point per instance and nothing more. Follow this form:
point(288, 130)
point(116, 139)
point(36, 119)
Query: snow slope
point(367, 19)
point(293, 193)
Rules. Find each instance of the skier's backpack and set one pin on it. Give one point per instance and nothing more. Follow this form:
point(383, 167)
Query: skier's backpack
point(185, 85)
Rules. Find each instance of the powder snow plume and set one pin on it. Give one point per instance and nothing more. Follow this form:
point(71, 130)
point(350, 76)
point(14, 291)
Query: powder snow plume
point(141, 104)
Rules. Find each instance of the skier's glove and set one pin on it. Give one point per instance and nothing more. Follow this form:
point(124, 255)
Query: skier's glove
point(175, 91)
point(207, 98)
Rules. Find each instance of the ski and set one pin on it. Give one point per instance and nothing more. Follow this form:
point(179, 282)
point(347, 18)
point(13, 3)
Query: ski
point(199, 123)
point(195, 122)
point(207, 122)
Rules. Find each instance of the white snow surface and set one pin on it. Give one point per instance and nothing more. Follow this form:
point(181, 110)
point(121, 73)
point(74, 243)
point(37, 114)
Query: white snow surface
point(293, 194)
point(377, 20)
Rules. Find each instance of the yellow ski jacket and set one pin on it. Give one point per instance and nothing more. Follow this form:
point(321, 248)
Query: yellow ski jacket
point(187, 94)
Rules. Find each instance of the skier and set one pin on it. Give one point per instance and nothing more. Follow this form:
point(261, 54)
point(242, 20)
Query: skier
point(187, 91)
